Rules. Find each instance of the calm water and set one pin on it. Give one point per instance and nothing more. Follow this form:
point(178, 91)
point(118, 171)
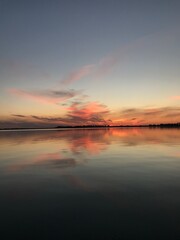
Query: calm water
point(90, 184)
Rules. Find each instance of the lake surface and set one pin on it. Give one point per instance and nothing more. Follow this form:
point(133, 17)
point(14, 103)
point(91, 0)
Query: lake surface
point(90, 184)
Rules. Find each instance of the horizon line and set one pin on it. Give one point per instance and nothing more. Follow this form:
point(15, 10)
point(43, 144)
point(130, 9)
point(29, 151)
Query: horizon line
point(160, 125)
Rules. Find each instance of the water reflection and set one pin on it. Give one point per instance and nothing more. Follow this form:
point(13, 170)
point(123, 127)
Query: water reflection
point(67, 148)
point(88, 137)
point(107, 182)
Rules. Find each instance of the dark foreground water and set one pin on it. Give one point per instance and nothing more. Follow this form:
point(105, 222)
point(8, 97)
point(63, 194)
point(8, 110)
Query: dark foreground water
point(90, 184)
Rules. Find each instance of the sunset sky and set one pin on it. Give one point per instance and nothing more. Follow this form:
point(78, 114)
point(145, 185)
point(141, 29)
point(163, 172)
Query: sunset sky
point(75, 62)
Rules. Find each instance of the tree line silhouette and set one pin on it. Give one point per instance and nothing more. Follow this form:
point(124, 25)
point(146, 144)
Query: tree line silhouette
point(161, 125)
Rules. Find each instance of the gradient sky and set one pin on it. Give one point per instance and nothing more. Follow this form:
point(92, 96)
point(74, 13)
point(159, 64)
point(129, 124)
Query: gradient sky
point(72, 62)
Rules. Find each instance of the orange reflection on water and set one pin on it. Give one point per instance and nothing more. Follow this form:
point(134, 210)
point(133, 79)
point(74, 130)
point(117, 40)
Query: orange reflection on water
point(62, 149)
point(90, 138)
point(140, 136)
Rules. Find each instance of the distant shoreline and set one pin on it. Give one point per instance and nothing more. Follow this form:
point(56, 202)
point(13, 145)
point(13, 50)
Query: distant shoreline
point(162, 125)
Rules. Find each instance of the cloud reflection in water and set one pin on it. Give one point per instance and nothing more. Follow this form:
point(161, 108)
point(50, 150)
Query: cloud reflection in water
point(62, 149)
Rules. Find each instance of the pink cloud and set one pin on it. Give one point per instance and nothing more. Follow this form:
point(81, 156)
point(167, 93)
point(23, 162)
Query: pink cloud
point(106, 64)
point(88, 113)
point(103, 67)
point(78, 74)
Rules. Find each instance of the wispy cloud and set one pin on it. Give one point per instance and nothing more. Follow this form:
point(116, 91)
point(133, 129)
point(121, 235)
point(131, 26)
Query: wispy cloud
point(146, 115)
point(78, 74)
point(18, 115)
point(46, 96)
point(104, 65)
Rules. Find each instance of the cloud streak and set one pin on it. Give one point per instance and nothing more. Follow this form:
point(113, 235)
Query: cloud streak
point(18, 115)
point(136, 116)
point(105, 65)
point(46, 96)
point(77, 75)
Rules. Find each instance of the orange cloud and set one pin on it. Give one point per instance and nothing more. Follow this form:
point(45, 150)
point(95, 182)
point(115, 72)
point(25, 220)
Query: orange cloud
point(87, 113)
point(136, 116)
point(95, 113)
point(175, 97)
point(78, 113)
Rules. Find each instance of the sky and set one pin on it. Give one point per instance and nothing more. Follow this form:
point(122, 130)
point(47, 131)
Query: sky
point(81, 62)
